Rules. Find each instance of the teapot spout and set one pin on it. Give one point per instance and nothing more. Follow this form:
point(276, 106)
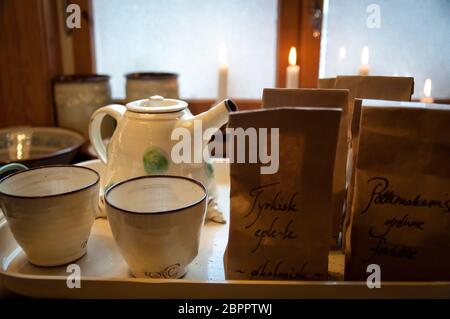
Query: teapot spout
point(216, 117)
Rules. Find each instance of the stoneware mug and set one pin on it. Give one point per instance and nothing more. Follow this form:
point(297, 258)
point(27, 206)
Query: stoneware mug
point(77, 96)
point(50, 211)
point(156, 221)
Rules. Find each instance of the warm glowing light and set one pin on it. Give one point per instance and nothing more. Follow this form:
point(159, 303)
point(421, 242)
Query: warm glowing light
point(20, 146)
point(365, 56)
point(427, 88)
point(223, 53)
point(293, 56)
point(342, 53)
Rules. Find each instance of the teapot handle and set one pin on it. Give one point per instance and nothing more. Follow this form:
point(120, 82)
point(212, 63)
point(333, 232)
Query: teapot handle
point(116, 111)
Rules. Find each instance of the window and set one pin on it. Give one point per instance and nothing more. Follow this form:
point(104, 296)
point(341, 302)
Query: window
point(412, 39)
point(184, 36)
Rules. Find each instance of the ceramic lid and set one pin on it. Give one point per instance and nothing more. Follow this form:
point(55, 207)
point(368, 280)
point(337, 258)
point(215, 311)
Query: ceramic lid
point(156, 104)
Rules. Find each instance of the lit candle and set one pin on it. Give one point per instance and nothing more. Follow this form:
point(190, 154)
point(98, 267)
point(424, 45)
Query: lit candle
point(364, 67)
point(293, 70)
point(427, 92)
point(222, 92)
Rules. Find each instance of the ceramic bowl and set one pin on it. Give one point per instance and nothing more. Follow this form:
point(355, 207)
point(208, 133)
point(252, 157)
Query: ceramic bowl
point(37, 146)
point(156, 221)
point(50, 211)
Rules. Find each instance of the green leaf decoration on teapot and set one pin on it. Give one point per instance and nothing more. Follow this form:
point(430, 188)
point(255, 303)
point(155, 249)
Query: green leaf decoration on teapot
point(155, 161)
point(209, 169)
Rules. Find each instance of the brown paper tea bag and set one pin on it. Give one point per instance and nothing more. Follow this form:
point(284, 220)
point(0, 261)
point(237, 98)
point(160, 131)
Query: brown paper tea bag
point(394, 88)
point(326, 83)
point(330, 99)
point(400, 216)
point(368, 87)
point(279, 227)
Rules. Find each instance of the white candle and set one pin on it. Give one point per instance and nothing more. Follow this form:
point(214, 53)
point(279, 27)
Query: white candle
point(364, 67)
point(293, 70)
point(222, 91)
point(427, 92)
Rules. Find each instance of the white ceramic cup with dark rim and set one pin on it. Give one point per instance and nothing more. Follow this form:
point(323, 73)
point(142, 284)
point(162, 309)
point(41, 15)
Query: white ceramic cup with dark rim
point(50, 211)
point(156, 221)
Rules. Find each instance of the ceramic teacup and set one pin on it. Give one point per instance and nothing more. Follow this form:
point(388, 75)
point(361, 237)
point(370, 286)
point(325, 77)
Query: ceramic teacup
point(156, 221)
point(51, 210)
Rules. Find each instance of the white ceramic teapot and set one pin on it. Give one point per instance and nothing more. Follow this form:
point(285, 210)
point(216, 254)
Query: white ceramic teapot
point(142, 142)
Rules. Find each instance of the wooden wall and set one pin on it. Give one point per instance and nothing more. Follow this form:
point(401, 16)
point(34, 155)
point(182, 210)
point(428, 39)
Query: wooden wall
point(295, 28)
point(29, 59)
point(83, 39)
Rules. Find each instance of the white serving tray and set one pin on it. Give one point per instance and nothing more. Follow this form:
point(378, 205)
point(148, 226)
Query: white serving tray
point(104, 274)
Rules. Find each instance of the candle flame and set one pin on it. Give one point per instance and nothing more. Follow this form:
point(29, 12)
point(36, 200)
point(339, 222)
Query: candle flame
point(342, 53)
point(222, 53)
point(293, 56)
point(365, 56)
point(427, 88)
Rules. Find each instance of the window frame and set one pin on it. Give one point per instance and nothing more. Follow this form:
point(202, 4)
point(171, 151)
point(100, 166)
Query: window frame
point(294, 28)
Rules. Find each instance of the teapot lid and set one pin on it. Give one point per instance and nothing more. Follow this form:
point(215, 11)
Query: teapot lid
point(156, 104)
